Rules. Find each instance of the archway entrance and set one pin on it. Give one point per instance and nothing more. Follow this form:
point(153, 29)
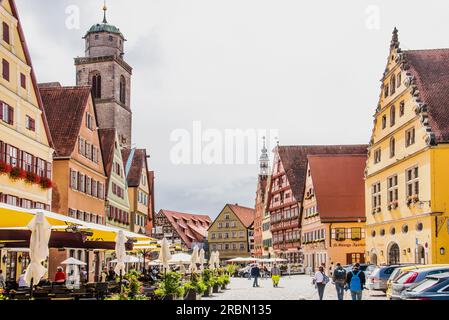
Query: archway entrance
point(420, 255)
point(394, 256)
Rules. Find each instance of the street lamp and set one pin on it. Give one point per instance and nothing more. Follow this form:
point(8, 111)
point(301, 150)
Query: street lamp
point(442, 251)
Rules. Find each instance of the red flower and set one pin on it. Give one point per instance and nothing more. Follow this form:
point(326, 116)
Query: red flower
point(32, 177)
point(46, 183)
point(5, 168)
point(17, 173)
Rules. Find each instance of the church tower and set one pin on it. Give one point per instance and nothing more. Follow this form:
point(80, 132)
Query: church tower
point(105, 69)
point(264, 162)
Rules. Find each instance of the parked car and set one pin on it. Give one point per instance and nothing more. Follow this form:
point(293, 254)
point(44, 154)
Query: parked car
point(244, 272)
point(434, 287)
point(409, 278)
point(367, 268)
point(400, 271)
point(378, 279)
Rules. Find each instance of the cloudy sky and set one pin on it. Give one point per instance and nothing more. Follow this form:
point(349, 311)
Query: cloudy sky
point(309, 69)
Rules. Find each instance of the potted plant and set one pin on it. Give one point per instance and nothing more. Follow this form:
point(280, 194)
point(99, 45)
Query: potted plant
point(218, 283)
point(195, 288)
point(32, 178)
point(132, 288)
point(170, 288)
point(208, 280)
point(226, 281)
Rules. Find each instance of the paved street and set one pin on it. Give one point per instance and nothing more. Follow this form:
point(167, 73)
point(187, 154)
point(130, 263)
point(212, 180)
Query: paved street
point(294, 288)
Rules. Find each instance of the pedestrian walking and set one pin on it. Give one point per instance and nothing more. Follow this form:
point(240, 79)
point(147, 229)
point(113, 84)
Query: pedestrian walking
point(339, 279)
point(275, 275)
point(255, 273)
point(356, 282)
point(320, 280)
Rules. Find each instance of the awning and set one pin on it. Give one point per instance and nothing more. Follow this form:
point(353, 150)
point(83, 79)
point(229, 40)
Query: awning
point(16, 219)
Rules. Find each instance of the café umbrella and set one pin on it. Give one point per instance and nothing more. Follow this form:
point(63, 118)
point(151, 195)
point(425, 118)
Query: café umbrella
point(212, 260)
point(202, 259)
point(194, 260)
point(120, 253)
point(40, 236)
point(164, 254)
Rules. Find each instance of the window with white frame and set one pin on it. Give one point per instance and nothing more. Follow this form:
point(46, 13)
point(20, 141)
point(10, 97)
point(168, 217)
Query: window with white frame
point(412, 182)
point(393, 193)
point(376, 195)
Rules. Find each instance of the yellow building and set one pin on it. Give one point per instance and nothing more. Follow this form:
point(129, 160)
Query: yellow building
point(25, 144)
point(232, 232)
point(407, 173)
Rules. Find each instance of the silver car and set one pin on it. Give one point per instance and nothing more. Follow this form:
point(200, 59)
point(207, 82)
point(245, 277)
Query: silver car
point(408, 279)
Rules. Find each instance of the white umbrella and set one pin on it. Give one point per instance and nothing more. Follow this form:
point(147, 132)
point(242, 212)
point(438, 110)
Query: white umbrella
point(129, 259)
point(73, 262)
point(202, 259)
point(194, 260)
point(212, 260)
point(120, 253)
point(180, 258)
point(164, 254)
point(217, 259)
point(40, 235)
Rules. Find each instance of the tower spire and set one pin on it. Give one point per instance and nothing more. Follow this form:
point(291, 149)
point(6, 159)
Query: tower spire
point(105, 8)
point(394, 39)
point(264, 160)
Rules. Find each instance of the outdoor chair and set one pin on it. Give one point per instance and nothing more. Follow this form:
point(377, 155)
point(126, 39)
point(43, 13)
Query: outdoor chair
point(101, 290)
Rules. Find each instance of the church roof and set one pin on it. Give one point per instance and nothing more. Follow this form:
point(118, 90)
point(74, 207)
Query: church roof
point(104, 27)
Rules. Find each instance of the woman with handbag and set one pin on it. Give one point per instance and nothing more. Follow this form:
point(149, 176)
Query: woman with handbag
point(320, 280)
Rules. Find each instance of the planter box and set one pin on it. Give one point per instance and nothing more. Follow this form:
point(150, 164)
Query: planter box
point(208, 292)
point(192, 295)
point(216, 288)
point(223, 287)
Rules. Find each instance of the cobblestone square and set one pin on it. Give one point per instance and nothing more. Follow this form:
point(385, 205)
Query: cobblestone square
point(298, 287)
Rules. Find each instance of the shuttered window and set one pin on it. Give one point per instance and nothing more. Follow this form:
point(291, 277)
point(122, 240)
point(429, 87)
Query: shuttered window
point(5, 69)
point(6, 37)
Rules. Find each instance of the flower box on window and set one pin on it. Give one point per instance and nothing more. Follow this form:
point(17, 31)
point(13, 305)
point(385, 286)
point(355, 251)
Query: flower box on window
point(17, 173)
point(5, 168)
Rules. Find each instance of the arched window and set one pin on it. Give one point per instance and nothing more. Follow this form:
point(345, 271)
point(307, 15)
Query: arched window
point(392, 116)
point(393, 84)
point(96, 86)
point(122, 90)
point(392, 147)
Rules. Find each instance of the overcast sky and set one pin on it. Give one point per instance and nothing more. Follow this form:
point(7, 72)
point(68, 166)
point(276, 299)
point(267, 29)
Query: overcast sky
point(310, 69)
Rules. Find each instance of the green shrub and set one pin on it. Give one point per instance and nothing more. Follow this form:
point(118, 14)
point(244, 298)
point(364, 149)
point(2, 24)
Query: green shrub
point(170, 285)
point(197, 284)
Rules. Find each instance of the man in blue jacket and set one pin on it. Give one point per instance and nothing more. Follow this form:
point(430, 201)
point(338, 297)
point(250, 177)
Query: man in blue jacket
point(255, 273)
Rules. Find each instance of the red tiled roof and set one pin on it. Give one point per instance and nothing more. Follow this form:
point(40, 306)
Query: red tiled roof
point(187, 230)
point(339, 186)
point(138, 162)
point(107, 142)
point(64, 109)
point(246, 215)
point(430, 68)
point(294, 161)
